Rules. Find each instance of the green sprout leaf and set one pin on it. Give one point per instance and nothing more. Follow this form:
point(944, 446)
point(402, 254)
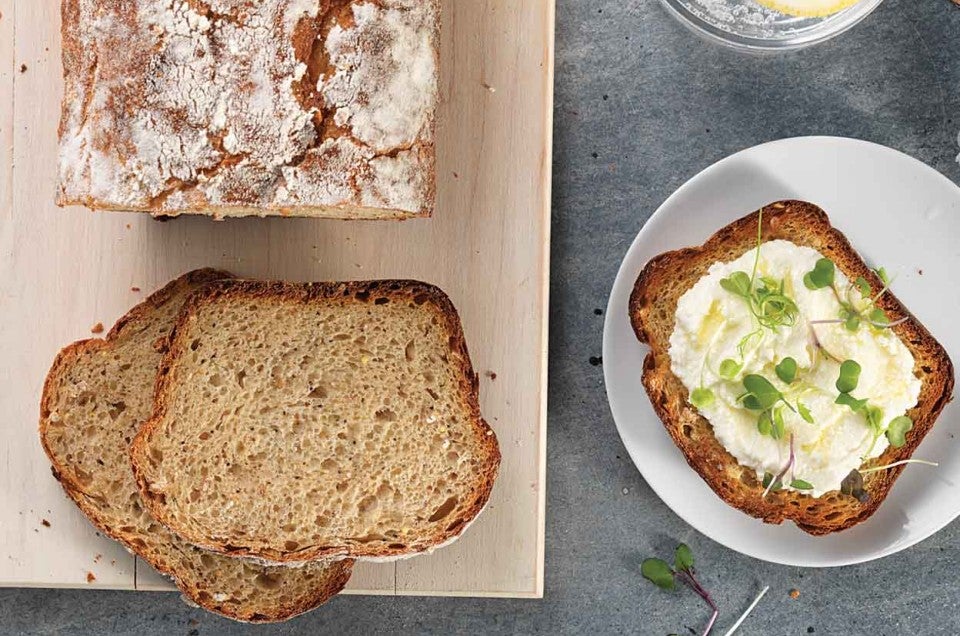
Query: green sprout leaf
point(767, 478)
point(800, 484)
point(702, 397)
point(882, 275)
point(738, 283)
point(874, 417)
point(764, 394)
point(683, 559)
point(863, 286)
point(804, 412)
point(779, 430)
point(879, 317)
point(729, 368)
point(849, 376)
point(787, 370)
point(821, 275)
point(852, 322)
point(898, 429)
point(848, 400)
point(658, 572)
point(765, 423)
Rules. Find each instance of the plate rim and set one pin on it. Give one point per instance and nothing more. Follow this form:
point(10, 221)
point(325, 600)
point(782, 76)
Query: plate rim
point(619, 299)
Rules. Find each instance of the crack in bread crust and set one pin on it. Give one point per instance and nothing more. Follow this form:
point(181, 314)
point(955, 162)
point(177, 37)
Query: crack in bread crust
point(653, 305)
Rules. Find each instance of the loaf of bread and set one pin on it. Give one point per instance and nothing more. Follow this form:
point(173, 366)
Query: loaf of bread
point(250, 107)
point(653, 309)
point(95, 397)
point(301, 421)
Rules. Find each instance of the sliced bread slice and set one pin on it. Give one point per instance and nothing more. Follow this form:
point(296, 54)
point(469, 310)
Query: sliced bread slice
point(300, 421)
point(96, 395)
point(653, 307)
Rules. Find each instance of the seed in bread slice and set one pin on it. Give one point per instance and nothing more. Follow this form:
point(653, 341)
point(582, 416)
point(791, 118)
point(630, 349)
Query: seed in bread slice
point(653, 306)
point(95, 397)
point(300, 421)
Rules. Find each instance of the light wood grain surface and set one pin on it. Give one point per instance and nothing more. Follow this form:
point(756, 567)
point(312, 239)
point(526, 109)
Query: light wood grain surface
point(487, 247)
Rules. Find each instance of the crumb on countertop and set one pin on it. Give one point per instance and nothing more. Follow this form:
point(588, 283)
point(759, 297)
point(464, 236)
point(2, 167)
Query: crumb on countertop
point(794, 593)
point(491, 374)
point(97, 558)
point(91, 577)
point(97, 328)
point(45, 523)
point(23, 68)
point(134, 289)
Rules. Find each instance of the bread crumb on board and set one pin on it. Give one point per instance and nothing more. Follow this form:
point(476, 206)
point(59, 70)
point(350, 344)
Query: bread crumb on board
point(794, 593)
point(45, 523)
point(97, 328)
point(23, 68)
point(91, 577)
point(491, 374)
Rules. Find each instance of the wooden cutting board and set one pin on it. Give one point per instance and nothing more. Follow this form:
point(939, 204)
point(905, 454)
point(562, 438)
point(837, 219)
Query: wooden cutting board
point(63, 270)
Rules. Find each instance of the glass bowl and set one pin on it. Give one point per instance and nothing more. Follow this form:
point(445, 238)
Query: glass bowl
point(744, 24)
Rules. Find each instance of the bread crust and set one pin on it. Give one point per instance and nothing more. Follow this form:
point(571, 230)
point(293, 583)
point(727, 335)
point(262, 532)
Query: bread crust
point(653, 305)
point(115, 56)
point(414, 291)
point(338, 573)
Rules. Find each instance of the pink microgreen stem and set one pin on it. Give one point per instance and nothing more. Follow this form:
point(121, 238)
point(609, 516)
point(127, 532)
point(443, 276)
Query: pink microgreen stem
point(783, 472)
point(691, 580)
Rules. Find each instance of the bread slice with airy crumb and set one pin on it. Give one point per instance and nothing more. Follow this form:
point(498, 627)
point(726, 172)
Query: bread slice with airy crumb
point(653, 306)
point(301, 421)
point(96, 395)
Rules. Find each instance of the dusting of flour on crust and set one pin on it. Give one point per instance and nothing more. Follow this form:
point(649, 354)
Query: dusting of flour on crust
point(183, 105)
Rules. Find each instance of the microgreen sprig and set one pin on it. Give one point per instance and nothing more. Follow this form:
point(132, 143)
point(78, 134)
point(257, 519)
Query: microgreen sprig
point(852, 484)
point(761, 395)
point(777, 481)
point(847, 381)
point(767, 300)
point(659, 572)
point(823, 275)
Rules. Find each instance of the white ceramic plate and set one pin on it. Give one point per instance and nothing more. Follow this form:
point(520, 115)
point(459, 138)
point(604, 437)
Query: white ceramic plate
point(898, 213)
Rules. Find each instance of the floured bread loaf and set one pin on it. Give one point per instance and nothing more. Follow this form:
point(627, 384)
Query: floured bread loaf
point(95, 397)
point(318, 108)
point(295, 422)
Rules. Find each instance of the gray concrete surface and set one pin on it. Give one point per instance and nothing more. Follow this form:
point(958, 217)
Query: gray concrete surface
point(641, 106)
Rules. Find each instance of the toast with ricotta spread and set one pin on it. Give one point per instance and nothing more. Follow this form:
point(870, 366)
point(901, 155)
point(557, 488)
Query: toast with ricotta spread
point(814, 411)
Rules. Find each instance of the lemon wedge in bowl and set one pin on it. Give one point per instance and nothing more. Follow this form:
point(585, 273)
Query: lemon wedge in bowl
point(808, 8)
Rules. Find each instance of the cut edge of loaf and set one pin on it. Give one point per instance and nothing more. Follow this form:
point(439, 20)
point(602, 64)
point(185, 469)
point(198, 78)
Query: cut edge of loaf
point(337, 573)
point(422, 294)
point(220, 213)
point(804, 224)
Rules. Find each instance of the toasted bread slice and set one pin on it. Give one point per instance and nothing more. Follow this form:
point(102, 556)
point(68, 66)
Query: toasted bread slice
point(301, 421)
point(95, 397)
point(653, 306)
